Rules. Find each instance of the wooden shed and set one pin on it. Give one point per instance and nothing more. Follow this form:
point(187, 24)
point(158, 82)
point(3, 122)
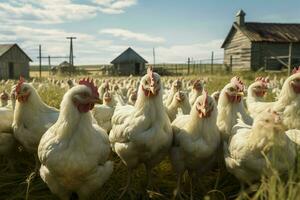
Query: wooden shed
point(255, 45)
point(14, 62)
point(129, 62)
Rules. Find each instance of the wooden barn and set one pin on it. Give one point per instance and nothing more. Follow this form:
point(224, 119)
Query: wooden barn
point(129, 62)
point(255, 45)
point(14, 62)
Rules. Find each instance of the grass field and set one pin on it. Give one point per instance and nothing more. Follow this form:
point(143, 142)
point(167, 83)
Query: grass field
point(16, 184)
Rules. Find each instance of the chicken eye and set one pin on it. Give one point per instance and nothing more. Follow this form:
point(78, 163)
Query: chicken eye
point(231, 89)
point(85, 94)
point(146, 82)
point(267, 121)
point(25, 89)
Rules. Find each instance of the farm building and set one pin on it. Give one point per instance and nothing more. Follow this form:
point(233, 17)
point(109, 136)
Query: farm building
point(14, 62)
point(254, 45)
point(63, 68)
point(129, 62)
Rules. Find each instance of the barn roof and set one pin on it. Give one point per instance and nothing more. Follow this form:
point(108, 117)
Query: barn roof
point(64, 64)
point(129, 56)
point(4, 48)
point(267, 32)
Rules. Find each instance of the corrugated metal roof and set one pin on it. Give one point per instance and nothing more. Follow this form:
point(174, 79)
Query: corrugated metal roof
point(268, 32)
point(129, 56)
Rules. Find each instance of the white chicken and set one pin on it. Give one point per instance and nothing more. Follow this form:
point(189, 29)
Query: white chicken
point(176, 86)
point(142, 134)
point(132, 97)
point(180, 101)
point(103, 113)
point(102, 89)
point(230, 106)
point(216, 95)
point(289, 101)
point(255, 97)
point(74, 152)
point(196, 139)
point(4, 99)
point(252, 148)
point(196, 91)
point(32, 117)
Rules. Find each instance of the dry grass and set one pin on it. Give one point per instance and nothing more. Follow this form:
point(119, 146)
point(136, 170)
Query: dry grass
point(15, 184)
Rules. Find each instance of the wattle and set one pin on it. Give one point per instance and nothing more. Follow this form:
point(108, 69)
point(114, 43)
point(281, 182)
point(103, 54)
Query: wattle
point(260, 93)
point(234, 99)
point(296, 88)
point(84, 108)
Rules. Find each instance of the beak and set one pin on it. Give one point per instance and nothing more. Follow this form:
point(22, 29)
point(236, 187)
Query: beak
point(240, 94)
point(95, 100)
point(153, 89)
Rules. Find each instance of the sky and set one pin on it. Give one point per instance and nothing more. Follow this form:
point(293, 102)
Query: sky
point(177, 29)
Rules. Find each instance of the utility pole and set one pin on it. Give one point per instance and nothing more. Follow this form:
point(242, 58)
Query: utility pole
point(212, 63)
point(153, 57)
point(71, 57)
point(290, 59)
point(189, 61)
point(40, 57)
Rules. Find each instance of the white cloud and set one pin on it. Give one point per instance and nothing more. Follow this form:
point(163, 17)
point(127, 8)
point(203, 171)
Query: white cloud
point(180, 53)
point(127, 34)
point(87, 48)
point(59, 11)
point(114, 6)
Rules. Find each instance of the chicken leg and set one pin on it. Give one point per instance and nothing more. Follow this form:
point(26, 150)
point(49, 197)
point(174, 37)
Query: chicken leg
point(177, 192)
point(127, 186)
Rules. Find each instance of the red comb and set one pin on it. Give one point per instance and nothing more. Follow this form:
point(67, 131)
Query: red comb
point(296, 70)
point(262, 79)
point(205, 94)
point(21, 81)
point(150, 73)
point(237, 81)
point(90, 84)
point(196, 82)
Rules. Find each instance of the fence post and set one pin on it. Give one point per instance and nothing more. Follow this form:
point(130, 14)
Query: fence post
point(189, 60)
point(230, 64)
point(40, 59)
point(212, 63)
point(266, 62)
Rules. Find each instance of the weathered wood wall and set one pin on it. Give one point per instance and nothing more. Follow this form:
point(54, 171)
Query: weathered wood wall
point(261, 50)
point(127, 69)
point(239, 47)
point(19, 60)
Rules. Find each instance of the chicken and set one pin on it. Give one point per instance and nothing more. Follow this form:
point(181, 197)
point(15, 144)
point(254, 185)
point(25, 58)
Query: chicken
point(215, 95)
point(74, 152)
point(180, 101)
point(255, 102)
point(230, 106)
point(196, 139)
point(132, 97)
point(289, 101)
point(102, 89)
point(176, 86)
point(252, 149)
point(32, 117)
point(4, 99)
point(196, 91)
point(142, 134)
point(7, 140)
point(103, 113)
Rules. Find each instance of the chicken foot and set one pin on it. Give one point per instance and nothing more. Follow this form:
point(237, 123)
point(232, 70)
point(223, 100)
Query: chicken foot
point(178, 192)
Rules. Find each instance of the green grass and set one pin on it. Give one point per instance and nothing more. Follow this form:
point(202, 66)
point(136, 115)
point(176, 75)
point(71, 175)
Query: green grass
point(15, 184)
